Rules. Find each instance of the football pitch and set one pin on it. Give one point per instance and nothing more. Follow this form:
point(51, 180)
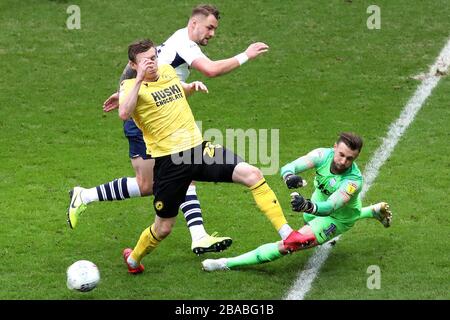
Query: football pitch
point(326, 72)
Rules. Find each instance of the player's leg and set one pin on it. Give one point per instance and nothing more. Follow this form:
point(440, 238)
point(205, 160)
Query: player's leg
point(192, 212)
point(118, 189)
point(263, 195)
point(324, 229)
point(304, 238)
point(380, 211)
point(265, 253)
point(143, 168)
point(297, 240)
point(148, 241)
point(201, 241)
point(221, 165)
point(171, 184)
point(139, 186)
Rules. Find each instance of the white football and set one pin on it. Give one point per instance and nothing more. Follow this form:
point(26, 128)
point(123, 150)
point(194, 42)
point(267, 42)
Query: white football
point(83, 276)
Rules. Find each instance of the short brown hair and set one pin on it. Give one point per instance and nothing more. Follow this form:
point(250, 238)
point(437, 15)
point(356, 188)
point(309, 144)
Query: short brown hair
point(206, 10)
point(138, 47)
point(351, 140)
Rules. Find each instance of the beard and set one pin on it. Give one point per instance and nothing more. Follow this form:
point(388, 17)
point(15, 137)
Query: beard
point(336, 169)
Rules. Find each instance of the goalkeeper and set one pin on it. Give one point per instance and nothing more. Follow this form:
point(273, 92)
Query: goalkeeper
point(334, 207)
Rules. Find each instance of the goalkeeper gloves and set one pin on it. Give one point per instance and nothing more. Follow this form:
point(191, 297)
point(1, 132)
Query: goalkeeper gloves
point(292, 181)
point(301, 204)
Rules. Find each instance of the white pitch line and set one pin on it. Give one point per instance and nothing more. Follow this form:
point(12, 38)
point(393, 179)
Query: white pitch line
point(440, 67)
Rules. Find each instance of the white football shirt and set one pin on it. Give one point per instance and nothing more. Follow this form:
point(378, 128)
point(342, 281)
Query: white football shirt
point(179, 51)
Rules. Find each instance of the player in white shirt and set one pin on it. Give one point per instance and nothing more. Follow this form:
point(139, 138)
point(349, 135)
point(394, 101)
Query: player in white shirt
point(182, 51)
point(179, 51)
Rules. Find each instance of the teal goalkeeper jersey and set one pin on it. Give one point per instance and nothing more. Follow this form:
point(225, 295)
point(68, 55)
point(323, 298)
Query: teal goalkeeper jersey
point(336, 195)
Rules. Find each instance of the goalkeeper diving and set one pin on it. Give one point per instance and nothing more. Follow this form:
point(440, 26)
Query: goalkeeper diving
point(333, 209)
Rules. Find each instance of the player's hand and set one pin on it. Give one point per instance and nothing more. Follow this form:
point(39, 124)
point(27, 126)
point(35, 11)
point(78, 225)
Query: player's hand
point(301, 204)
point(111, 103)
point(143, 66)
point(255, 49)
point(197, 86)
point(293, 181)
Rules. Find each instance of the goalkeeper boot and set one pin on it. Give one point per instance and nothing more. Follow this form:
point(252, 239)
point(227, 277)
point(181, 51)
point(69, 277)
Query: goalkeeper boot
point(126, 254)
point(76, 206)
point(215, 264)
point(210, 243)
point(384, 214)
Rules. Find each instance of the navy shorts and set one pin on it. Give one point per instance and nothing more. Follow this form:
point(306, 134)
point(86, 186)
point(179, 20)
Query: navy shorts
point(136, 141)
point(137, 148)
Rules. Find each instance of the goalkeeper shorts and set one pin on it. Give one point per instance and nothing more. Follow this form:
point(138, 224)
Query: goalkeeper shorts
point(325, 228)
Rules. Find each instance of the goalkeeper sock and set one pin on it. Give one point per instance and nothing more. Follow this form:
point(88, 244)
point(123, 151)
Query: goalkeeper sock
point(146, 243)
point(267, 202)
point(265, 253)
point(368, 212)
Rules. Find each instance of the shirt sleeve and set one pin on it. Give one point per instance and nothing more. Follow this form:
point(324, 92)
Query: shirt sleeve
point(347, 190)
point(190, 52)
point(125, 88)
point(311, 160)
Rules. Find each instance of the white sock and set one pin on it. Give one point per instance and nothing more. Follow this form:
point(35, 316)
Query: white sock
point(133, 188)
point(285, 231)
point(89, 195)
point(118, 189)
point(197, 232)
point(132, 262)
point(190, 208)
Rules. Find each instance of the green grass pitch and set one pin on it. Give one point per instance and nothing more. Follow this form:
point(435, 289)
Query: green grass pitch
point(325, 72)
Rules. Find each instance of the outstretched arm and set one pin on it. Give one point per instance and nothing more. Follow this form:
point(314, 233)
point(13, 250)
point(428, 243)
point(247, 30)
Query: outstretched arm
point(212, 68)
point(308, 161)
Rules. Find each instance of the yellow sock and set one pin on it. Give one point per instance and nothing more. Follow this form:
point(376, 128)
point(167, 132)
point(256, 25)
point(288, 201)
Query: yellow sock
point(267, 202)
point(147, 242)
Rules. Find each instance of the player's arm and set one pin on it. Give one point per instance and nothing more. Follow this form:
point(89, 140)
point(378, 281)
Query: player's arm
point(308, 161)
point(113, 100)
point(190, 88)
point(348, 189)
point(128, 104)
point(212, 68)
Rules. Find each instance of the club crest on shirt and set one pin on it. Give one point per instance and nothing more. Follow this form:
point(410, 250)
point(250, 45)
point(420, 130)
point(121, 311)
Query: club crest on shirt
point(351, 188)
point(332, 182)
